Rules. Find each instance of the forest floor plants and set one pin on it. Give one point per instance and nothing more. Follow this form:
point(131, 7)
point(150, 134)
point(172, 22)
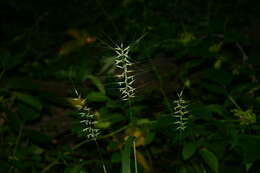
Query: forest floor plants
point(127, 90)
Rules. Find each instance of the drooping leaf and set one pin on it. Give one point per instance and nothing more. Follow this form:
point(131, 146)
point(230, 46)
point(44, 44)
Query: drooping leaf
point(188, 150)
point(97, 82)
point(110, 119)
point(108, 65)
point(97, 97)
point(28, 114)
point(218, 109)
point(149, 138)
point(28, 99)
point(210, 159)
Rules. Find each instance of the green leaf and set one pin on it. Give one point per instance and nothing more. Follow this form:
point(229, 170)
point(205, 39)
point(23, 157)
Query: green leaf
point(116, 157)
point(9, 61)
point(213, 88)
point(149, 138)
point(38, 137)
point(220, 110)
point(24, 84)
point(28, 99)
point(97, 82)
point(134, 110)
point(196, 167)
point(97, 97)
point(36, 150)
point(126, 155)
point(109, 119)
point(14, 120)
point(210, 159)
point(218, 76)
point(190, 65)
point(183, 169)
point(188, 150)
point(108, 64)
point(74, 169)
point(4, 166)
point(249, 146)
point(200, 111)
point(27, 113)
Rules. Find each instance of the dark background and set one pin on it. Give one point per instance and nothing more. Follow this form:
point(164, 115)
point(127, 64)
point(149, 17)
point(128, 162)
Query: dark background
point(49, 49)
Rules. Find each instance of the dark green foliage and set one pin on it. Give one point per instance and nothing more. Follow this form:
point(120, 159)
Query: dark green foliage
point(49, 50)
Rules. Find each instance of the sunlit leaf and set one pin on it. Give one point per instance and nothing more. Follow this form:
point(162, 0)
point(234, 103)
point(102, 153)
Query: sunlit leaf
point(76, 102)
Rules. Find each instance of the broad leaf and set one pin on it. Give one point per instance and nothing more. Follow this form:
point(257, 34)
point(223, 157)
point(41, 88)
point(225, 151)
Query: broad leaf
point(210, 159)
point(188, 150)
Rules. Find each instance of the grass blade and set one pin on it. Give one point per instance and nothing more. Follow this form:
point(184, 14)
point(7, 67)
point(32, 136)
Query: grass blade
point(126, 167)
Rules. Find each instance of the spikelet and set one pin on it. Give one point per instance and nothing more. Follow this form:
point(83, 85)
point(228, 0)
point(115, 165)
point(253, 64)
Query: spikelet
point(88, 120)
point(126, 77)
point(180, 112)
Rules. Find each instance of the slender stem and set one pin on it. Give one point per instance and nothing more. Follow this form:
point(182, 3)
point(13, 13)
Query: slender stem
point(54, 162)
point(18, 139)
point(136, 168)
point(231, 98)
point(233, 101)
point(130, 111)
point(100, 155)
point(101, 137)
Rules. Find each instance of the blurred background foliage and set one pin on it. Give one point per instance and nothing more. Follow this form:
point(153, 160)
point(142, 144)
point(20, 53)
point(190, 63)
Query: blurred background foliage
point(50, 48)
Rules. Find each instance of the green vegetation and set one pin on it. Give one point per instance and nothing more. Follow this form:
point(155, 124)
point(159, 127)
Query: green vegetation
point(130, 86)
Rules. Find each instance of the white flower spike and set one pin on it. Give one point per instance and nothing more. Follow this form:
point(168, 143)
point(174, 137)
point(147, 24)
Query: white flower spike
point(126, 79)
point(89, 123)
point(180, 112)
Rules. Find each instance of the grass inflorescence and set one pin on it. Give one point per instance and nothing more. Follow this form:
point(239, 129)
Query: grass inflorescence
point(180, 112)
point(126, 77)
point(87, 119)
